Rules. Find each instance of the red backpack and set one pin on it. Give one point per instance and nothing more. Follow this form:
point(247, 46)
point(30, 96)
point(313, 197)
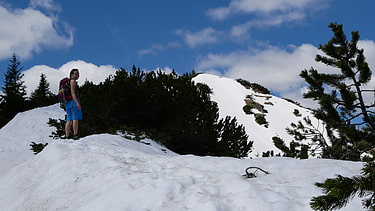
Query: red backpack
point(64, 94)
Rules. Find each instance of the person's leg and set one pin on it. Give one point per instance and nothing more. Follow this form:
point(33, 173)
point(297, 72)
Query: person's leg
point(68, 125)
point(69, 115)
point(75, 127)
point(77, 115)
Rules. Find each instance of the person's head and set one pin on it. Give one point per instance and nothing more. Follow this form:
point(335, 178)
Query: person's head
point(74, 74)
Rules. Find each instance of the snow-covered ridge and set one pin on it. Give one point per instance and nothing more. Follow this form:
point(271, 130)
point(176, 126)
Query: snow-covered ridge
point(109, 172)
point(106, 172)
point(230, 96)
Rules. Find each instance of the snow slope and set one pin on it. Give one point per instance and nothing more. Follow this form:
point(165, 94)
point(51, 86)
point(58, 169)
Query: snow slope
point(230, 97)
point(26, 127)
point(108, 172)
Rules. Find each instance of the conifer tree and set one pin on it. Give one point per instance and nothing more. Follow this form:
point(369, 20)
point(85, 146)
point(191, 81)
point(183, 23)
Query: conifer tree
point(13, 99)
point(345, 106)
point(340, 190)
point(42, 96)
point(233, 139)
point(348, 115)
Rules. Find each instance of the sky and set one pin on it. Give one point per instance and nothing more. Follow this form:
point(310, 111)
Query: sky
point(263, 41)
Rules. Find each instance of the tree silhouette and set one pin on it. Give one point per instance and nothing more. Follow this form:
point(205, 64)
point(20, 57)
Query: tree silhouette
point(13, 99)
point(42, 96)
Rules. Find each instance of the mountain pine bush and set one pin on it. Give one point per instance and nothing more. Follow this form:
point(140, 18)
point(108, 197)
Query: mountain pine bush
point(346, 107)
point(168, 108)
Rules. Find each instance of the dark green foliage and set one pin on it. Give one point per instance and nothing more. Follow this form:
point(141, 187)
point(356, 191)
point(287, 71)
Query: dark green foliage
point(305, 130)
point(341, 98)
point(261, 119)
point(133, 134)
point(297, 113)
point(247, 109)
point(42, 96)
point(233, 139)
point(292, 101)
point(340, 190)
point(256, 87)
point(251, 104)
point(13, 99)
point(59, 125)
point(168, 108)
point(269, 154)
point(244, 83)
point(348, 118)
point(295, 149)
point(36, 148)
point(259, 88)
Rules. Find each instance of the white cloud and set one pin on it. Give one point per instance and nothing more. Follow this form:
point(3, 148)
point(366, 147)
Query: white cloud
point(276, 69)
point(264, 14)
point(28, 31)
point(369, 52)
point(155, 48)
point(88, 71)
point(205, 36)
point(261, 13)
point(191, 39)
point(262, 7)
point(241, 31)
point(219, 13)
point(272, 67)
point(49, 5)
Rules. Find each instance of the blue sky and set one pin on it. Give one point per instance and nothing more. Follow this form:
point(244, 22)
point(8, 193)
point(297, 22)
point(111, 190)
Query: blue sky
point(263, 41)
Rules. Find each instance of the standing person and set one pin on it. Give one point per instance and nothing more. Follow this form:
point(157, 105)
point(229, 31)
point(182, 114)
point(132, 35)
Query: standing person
point(73, 107)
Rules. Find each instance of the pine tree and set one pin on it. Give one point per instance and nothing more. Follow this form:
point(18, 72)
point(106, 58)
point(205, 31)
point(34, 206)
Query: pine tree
point(42, 96)
point(295, 149)
point(13, 99)
point(233, 139)
point(338, 191)
point(348, 117)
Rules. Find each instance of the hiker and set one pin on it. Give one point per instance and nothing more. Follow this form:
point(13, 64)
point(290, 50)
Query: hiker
point(73, 107)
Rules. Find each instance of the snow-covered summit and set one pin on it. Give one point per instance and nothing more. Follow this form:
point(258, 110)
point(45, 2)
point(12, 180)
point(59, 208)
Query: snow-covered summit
point(279, 113)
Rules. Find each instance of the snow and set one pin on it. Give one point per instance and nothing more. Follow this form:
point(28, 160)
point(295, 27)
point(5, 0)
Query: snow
point(109, 172)
point(230, 97)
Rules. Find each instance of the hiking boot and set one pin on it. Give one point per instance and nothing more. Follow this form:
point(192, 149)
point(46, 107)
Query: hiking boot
point(65, 137)
point(76, 137)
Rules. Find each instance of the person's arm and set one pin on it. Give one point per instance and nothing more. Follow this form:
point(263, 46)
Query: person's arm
point(73, 84)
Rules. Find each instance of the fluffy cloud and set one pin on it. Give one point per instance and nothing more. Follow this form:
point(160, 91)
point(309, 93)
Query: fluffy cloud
point(262, 7)
point(274, 68)
point(189, 38)
point(205, 36)
point(264, 14)
point(48, 5)
point(155, 48)
point(28, 31)
point(88, 71)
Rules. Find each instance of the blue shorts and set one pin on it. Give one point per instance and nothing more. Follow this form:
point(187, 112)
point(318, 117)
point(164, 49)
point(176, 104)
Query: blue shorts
point(72, 112)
